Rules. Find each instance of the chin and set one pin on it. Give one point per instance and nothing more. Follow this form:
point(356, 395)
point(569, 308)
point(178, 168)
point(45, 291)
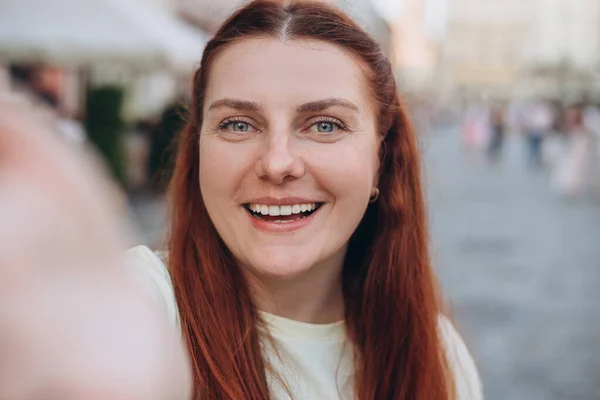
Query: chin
point(283, 265)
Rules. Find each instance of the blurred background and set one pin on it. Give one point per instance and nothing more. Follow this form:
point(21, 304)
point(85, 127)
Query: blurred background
point(504, 96)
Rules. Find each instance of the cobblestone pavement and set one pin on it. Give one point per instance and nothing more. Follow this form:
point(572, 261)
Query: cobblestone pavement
point(521, 269)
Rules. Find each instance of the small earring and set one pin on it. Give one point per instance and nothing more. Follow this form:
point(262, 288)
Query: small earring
point(374, 195)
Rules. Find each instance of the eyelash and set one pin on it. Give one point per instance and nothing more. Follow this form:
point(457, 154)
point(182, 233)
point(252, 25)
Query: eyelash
point(339, 124)
point(223, 125)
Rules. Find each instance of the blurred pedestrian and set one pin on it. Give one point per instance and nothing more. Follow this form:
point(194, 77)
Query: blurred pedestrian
point(497, 130)
point(476, 127)
point(575, 170)
point(591, 121)
point(538, 123)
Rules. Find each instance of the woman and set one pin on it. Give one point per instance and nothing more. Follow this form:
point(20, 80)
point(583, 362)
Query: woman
point(298, 244)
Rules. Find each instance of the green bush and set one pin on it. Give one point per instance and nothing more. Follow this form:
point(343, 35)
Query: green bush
point(105, 126)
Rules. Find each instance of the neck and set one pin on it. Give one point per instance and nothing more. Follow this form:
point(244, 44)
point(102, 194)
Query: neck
point(314, 296)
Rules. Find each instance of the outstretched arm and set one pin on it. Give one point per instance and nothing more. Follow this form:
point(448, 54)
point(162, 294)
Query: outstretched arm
point(73, 323)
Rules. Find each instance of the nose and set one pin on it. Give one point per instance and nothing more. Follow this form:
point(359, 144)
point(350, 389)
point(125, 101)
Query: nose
point(279, 162)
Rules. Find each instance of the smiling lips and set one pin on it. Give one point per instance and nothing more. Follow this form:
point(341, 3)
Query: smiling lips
point(285, 210)
point(282, 217)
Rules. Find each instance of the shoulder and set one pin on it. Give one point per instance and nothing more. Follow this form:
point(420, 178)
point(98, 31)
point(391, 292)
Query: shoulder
point(151, 271)
point(467, 380)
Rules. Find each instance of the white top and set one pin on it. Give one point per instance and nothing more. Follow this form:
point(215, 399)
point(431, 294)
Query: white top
point(540, 118)
point(315, 361)
point(591, 120)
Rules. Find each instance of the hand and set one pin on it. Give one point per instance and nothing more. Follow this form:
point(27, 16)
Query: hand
point(73, 325)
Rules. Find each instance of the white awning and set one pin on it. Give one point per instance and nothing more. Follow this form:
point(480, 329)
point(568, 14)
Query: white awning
point(96, 32)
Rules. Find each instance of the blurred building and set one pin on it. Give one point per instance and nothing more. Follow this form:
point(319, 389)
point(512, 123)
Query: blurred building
point(58, 49)
point(367, 16)
point(562, 54)
point(208, 14)
point(482, 48)
point(414, 52)
point(150, 92)
point(521, 48)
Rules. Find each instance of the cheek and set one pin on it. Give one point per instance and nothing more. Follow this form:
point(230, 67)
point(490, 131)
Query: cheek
point(347, 170)
point(210, 185)
point(222, 167)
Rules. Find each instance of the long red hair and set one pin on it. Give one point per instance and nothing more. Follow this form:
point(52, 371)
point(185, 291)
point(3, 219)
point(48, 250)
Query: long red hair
point(391, 300)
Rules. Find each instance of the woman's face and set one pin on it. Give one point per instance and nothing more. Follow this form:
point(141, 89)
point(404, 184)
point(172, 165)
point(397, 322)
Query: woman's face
point(288, 153)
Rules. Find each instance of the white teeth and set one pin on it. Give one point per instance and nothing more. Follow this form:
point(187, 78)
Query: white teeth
point(285, 210)
point(274, 211)
point(282, 210)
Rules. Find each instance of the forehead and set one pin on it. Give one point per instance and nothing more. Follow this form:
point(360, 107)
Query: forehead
point(269, 70)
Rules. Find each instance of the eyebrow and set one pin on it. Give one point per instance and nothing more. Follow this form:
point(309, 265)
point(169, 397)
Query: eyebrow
point(241, 105)
point(321, 105)
point(313, 106)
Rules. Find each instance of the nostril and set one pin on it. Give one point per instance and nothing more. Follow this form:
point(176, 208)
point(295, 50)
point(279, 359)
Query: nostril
point(279, 170)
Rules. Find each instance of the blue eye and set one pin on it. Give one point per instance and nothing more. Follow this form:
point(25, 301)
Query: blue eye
point(236, 126)
point(239, 126)
point(326, 127)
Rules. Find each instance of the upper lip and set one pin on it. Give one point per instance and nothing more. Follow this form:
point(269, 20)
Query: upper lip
point(282, 201)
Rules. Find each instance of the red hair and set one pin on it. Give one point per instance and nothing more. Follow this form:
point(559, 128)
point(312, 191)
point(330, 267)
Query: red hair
point(391, 300)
